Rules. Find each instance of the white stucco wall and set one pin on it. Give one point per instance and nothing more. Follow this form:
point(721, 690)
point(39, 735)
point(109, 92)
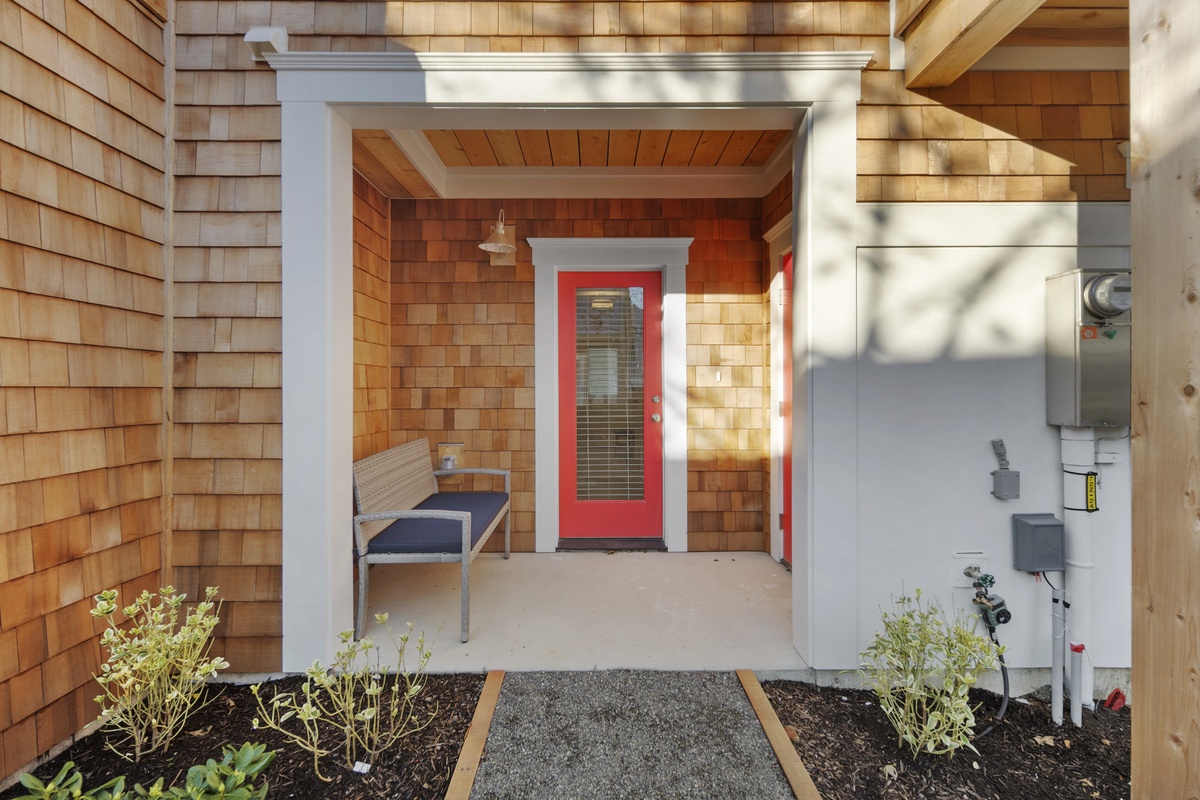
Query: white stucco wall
point(950, 356)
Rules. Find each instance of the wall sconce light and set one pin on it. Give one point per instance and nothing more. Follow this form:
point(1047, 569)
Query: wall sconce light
point(501, 246)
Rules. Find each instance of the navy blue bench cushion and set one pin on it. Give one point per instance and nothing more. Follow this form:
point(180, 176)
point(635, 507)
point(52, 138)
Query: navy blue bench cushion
point(440, 535)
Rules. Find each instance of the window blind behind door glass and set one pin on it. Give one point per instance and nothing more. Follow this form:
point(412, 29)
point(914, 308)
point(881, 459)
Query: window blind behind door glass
point(608, 394)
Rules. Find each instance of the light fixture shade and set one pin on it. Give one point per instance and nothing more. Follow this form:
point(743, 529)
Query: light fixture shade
point(502, 239)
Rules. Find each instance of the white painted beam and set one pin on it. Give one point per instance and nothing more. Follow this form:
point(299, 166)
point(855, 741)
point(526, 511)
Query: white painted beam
point(824, 393)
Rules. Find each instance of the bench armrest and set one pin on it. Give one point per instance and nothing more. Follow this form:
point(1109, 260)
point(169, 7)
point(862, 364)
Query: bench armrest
point(453, 516)
point(477, 471)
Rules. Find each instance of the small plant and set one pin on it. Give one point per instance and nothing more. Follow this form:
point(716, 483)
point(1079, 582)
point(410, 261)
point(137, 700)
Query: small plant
point(156, 667)
point(68, 785)
point(359, 704)
point(921, 667)
point(230, 779)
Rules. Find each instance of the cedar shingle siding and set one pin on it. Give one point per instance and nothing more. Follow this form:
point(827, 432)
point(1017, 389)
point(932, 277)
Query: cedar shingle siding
point(82, 193)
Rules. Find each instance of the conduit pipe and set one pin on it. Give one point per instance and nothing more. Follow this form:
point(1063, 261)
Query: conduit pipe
point(1078, 459)
point(1076, 680)
point(1057, 656)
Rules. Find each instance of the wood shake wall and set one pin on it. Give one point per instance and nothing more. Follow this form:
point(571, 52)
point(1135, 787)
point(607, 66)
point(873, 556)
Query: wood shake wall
point(82, 159)
point(227, 338)
point(462, 343)
point(372, 320)
point(994, 136)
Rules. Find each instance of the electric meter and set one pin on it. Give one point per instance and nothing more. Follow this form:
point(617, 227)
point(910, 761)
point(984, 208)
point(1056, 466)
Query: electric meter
point(1088, 325)
point(1108, 295)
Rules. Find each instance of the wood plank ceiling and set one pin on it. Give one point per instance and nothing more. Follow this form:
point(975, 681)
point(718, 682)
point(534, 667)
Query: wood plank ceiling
point(615, 148)
point(377, 156)
point(1091, 23)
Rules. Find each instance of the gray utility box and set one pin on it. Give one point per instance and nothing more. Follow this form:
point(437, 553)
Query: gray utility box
point(1087, 348)
point(1038, 543)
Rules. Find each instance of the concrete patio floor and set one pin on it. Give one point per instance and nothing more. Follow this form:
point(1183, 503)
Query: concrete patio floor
point(594, 610)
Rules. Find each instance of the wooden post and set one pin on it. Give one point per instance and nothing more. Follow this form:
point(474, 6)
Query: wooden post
point(1165, 122)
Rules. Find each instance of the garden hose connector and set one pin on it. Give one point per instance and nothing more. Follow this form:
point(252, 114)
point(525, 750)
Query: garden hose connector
point(992, 607)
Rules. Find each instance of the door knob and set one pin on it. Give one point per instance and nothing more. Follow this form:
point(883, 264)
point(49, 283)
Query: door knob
point(656, 417)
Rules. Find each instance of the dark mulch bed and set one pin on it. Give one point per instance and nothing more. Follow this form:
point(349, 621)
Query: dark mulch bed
point(851, 751)
point(418, 767)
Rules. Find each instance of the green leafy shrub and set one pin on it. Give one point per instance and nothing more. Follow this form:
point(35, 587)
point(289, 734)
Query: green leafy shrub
point(229, 779)
point(363, 706)
point(232, 778)
point(921, 667)
point(156, 667)
point(68, 785)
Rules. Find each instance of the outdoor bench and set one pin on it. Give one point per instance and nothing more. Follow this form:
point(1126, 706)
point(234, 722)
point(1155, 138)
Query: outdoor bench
point(403, 519)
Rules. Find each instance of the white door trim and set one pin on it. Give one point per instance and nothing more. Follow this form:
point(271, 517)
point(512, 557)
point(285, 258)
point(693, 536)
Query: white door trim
point(668, 256)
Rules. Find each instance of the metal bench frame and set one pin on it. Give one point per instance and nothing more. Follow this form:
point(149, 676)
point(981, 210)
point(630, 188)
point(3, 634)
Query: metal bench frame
point(387, 487)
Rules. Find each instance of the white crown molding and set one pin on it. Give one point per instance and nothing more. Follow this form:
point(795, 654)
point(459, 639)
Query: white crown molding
point(432, 81)
point(778, 229)
point(563, 62)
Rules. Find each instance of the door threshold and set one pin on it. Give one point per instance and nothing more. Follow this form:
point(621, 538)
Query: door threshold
point(613, 543)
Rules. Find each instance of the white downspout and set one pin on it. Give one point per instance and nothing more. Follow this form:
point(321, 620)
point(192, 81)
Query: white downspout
point(1078, 459)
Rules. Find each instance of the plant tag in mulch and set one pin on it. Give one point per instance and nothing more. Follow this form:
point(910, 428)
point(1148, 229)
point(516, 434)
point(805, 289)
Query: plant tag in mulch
point(362, 767)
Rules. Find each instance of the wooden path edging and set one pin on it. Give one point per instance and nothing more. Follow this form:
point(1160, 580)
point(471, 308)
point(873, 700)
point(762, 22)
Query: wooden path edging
point(467, 767)
point(789, 760)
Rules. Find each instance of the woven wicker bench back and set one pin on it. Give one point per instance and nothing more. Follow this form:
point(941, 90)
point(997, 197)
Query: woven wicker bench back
point(394, 480)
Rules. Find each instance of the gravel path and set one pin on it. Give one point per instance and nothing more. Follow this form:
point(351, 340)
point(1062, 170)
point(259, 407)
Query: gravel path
point(625, 734)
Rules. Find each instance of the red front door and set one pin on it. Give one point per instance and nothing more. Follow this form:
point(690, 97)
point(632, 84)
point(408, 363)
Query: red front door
point(610, 409)
point(785, 412)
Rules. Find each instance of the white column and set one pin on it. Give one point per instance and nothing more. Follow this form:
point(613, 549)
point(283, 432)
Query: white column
point(318, 381)
point(824, 421)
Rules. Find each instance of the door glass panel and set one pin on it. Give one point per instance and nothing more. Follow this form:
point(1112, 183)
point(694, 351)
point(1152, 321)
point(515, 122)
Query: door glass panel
point(609, 436)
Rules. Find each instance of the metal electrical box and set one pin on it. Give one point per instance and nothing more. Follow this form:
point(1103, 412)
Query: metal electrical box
point(1038, 543)
point(1087, 348)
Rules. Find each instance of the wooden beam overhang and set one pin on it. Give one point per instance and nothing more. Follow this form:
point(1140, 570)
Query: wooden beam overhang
point(947, 36)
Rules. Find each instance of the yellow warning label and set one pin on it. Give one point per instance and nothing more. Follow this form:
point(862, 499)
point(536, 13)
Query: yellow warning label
point(1091, 492)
